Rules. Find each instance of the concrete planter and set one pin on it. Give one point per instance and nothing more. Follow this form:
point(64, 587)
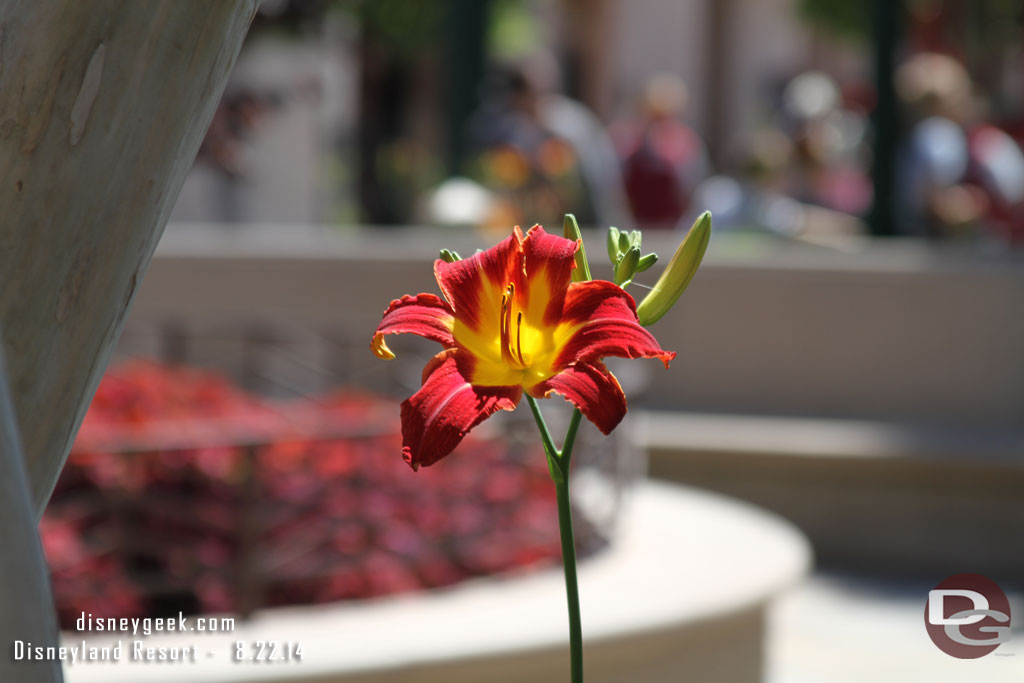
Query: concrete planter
point(681, 593)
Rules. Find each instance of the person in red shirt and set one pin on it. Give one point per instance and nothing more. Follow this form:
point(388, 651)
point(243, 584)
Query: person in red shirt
point(662, 159)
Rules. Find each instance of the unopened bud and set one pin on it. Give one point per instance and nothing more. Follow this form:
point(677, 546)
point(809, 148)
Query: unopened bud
point(449, 256)
point(646, 262)
point(677, 274)
point(613, 245)
point(571, 231)
point(627, 266)
point(624, 241)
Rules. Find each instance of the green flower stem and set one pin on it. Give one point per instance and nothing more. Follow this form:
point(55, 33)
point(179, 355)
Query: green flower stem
point(558, 464)
point(572, 590)
point(570, 438)
point(545, 434)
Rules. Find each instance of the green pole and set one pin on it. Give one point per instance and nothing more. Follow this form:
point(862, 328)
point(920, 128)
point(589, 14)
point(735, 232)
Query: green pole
point(887, 24)
point(466, 26)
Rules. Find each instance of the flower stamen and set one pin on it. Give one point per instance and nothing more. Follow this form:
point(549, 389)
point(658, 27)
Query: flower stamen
point(513, 355)
point(519, 343)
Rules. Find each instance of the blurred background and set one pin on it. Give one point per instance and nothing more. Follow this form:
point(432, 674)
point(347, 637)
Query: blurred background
point(905, 115)
point(849, 355)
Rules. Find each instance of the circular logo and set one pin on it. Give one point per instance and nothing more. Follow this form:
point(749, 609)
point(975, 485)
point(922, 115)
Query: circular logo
point(967, 616)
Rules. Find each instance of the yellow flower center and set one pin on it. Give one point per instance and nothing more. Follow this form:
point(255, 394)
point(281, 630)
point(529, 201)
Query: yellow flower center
point(520, 349)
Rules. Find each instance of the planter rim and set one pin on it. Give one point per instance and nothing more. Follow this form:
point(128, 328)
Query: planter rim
point(680, 557)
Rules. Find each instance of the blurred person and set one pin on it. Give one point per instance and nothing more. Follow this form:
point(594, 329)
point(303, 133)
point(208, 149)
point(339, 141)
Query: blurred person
point(997, 164)
point(754, 197)
point(662, 159)
point(236, 118)
point(802, 175)
point(214, 190)
point(827, 164)
point(543, 153)
point(938, 196)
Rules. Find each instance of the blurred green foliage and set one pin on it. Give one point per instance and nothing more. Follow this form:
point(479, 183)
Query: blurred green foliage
point(512, 31)
point(402, 26)
point(840, 18)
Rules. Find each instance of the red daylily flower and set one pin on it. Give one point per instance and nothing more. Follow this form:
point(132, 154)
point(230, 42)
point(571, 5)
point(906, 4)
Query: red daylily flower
point(513, 320)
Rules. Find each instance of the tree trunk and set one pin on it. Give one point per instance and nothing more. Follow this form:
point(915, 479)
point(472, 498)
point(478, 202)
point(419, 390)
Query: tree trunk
point(103, 105)
point(26, 608)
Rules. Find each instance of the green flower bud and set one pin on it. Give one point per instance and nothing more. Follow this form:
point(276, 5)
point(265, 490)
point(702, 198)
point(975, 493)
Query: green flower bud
point(449, 256)
point(677, 274)
point(627, 266)
point(613, 245)
point(571, 231)
point(646, 262)
point(624, 241)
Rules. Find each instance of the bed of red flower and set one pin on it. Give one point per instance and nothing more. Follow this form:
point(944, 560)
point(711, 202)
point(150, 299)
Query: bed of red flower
point(183, 492)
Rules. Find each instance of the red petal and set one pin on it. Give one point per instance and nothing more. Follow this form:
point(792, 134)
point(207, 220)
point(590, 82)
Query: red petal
point(427, 315)
point(606, 325)
point(592, 389)
point(446, 407)
point(474, 285)
point(548, 262)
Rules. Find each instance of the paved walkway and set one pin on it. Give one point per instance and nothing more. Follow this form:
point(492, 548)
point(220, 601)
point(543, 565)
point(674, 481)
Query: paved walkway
point(836, 629)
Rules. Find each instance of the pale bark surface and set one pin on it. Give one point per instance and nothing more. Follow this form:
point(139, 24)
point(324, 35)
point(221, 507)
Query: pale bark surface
point(26, 607)
point(103, 105)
